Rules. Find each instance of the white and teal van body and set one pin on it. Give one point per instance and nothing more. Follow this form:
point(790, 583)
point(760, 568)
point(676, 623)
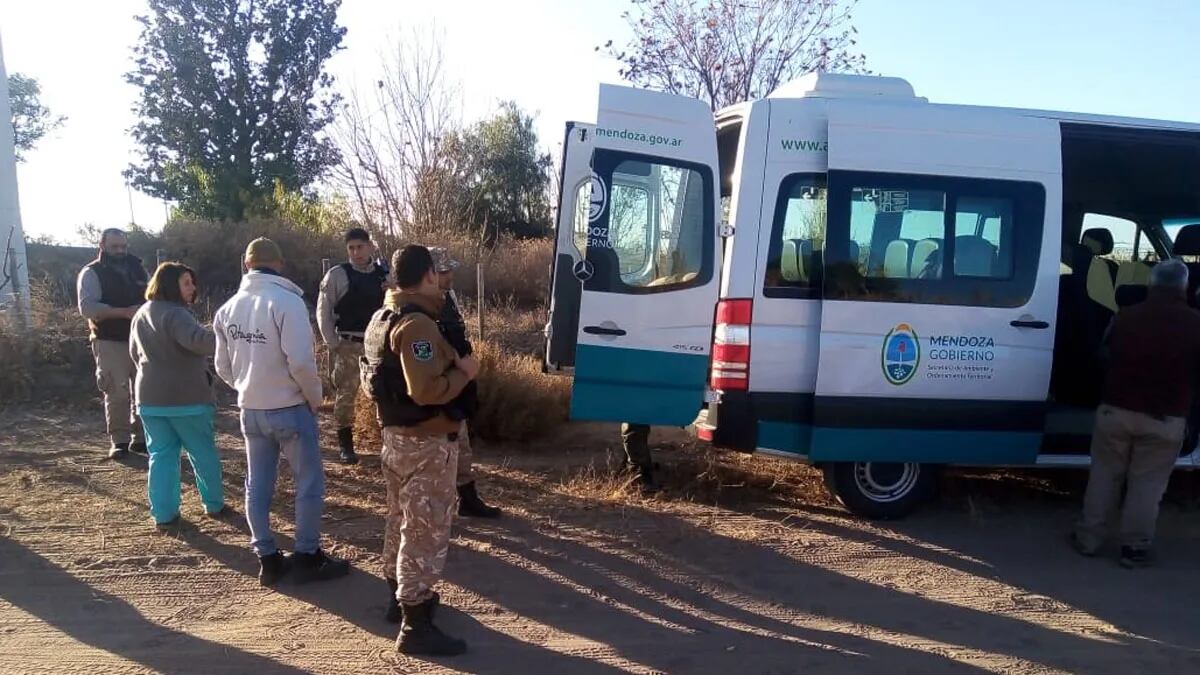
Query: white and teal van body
point(847, 274)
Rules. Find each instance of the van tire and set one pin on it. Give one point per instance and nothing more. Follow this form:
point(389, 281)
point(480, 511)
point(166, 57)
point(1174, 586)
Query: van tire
point(882, 490)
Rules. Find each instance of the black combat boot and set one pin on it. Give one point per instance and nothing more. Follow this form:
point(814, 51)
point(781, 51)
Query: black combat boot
point(394, 614)
point(649, 484)
point(346, 443)
point(318, 567)
point(418, 635)
point(470, 505)
point(271, 568)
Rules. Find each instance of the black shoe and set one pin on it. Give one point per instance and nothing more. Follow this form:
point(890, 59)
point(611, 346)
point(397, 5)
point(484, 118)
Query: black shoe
point(1080, 548)
point(419, 636)
point(649, 485)
point(470, 505)
point(346, 443)
point(318, 567)
point(1133, 558)
point(271, 568)
point(139, 448)
point(394, 614)
point(118, 450)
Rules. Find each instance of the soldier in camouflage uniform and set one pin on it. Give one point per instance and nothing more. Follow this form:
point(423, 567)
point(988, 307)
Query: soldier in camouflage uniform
point(455, 329)
point(415, 378)
point(350, 294)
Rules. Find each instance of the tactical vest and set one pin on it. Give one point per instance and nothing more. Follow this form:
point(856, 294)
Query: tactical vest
point(118, 288)
point(362, 299)
point(382, 373)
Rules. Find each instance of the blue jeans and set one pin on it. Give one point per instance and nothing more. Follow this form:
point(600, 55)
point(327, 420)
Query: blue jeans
point(166, 435)
point(291, 432)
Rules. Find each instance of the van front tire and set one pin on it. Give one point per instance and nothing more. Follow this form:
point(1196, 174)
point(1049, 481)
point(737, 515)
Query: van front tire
point(882, 490)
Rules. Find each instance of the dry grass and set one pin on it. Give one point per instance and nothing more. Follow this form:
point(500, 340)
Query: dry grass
point(50, 359)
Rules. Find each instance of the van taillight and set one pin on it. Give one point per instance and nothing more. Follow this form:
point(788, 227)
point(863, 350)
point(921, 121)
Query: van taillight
point(731, 346)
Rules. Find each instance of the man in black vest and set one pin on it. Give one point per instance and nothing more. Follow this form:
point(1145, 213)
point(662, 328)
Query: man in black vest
point(110, 289)
point(451, 323)
point(350, 294)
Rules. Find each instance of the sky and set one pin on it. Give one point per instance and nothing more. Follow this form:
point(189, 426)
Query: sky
point(1130, 59)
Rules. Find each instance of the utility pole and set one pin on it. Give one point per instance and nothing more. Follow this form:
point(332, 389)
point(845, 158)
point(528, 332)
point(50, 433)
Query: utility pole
point(14, 275)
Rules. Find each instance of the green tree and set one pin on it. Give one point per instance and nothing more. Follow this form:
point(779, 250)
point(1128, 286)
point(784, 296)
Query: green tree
point(31, 119)
point(502, 172)
point(234, 100)
point(729, 51)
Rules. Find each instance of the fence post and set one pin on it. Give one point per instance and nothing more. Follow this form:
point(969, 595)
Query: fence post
point(159, 256)
point(324, 267)
point(18, 295)
point(481, 297)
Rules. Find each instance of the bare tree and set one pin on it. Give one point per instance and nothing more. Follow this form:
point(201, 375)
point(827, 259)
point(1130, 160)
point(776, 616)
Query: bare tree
point(390, 140)
point(729, 51)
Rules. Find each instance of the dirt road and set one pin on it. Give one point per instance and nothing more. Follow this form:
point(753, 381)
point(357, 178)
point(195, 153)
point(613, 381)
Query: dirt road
point(742, 566)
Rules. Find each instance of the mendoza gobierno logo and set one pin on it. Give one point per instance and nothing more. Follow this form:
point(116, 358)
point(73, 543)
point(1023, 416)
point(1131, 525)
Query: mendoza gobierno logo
point(901, 354)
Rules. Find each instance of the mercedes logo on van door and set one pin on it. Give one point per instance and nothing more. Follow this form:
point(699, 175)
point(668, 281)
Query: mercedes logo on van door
point(583, 270)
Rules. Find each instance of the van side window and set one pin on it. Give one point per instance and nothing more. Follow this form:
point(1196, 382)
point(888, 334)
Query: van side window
point(651, 223)
point(897, 234)
point(797, 238)
point(983, 237)
point(932, 240)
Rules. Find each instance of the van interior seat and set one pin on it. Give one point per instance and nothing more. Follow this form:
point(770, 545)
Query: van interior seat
point(974, 256)
point(791, 263)
point(1187, 243)
point(1131, 294)
point(923, 254)
point(895, 259)
point(1101, 272)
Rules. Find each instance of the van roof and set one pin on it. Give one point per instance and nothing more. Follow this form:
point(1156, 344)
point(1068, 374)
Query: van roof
point(898, 91)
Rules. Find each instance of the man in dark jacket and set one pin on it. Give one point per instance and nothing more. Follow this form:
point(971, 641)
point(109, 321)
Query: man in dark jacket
point(110, 290)
point(1154, 352)
point(455, 329)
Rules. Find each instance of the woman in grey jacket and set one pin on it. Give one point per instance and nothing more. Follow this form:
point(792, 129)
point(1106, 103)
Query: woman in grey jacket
point(174, 392)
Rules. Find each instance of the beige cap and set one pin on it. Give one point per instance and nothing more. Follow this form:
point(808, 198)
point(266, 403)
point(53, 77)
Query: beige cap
point(442, 262)
point(262, 251)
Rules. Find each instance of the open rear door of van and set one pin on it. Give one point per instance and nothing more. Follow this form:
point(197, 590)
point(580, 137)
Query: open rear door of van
point(941, 284)
point(636, 262)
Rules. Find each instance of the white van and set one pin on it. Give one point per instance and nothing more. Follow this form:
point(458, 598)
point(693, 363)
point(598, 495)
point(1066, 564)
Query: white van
point(847, 274)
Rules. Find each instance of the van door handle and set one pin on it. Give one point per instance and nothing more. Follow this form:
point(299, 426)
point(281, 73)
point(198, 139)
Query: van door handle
point(1023, 323)
point(602, 330)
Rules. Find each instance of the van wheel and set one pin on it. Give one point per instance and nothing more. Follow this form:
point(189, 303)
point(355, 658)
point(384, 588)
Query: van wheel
point(881, 489)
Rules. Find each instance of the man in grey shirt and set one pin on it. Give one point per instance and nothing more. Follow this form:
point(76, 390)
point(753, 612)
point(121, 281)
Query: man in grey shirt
point(110, 290)
point(350, 294)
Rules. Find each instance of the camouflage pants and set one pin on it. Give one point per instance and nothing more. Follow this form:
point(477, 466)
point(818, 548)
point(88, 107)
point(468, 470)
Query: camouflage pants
point(343, 360)
point(465, 458)
point(419, 471)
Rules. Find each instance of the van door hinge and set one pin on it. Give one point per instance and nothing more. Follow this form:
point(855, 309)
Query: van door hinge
point(726, 230)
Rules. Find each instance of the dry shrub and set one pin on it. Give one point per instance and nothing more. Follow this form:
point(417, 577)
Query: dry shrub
point(515, 270)
point(215, 248)
point(517, 401)
point(50, 359)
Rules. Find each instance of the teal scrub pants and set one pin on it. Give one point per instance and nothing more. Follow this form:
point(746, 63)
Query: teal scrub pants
point(189, 428)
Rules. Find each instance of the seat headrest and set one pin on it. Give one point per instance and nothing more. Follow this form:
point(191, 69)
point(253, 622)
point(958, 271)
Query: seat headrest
point(1099, 239)
point(1187, 242)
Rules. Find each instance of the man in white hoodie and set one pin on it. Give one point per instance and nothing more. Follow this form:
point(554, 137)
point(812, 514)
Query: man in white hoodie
point(265, 352)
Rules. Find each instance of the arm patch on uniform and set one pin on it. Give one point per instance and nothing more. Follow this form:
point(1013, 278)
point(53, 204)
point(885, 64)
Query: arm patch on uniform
point(423, 350)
